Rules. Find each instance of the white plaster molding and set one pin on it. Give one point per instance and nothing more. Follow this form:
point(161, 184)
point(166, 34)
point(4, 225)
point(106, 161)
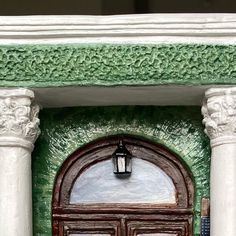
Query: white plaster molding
point(18, 131)
point(15, 191)
point(219, 111)
point(144, 29)
point(161, 95)
point(18, 118)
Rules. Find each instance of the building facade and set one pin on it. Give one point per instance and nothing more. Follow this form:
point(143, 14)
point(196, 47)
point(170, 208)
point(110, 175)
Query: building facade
point(79, 85)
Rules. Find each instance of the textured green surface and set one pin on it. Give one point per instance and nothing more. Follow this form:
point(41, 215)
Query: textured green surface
point(110, 65)
point(65, 130)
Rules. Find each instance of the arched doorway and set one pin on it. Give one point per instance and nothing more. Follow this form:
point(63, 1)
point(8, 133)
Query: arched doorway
point(155, 200)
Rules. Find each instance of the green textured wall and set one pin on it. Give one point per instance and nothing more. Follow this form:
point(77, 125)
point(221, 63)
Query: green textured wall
point(109, 65)
point(66, 129)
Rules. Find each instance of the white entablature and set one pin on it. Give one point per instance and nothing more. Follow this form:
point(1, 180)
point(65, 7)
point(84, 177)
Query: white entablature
point(141, 29)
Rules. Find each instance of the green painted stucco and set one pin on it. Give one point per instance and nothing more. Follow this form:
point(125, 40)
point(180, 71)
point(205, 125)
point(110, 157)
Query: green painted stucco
point(111, 65)
point(66, 129)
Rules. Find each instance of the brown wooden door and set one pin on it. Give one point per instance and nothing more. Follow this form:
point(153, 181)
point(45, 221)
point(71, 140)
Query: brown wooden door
point(85, 216)
point(127, 226)
point(172, 227)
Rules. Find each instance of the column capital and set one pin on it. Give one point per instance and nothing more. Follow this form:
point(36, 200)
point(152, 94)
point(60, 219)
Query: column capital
point(219, 112)
point(19, 123)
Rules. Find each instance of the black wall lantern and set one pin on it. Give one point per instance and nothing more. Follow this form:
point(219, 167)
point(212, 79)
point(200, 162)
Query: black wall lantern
point(122, 160)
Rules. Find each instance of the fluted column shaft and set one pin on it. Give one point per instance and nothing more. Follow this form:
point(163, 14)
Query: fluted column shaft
point(18, 132)
point(219, 111)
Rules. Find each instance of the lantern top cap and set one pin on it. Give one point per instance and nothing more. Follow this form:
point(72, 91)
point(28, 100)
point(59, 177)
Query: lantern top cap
point(121, 144)
point(121, 149)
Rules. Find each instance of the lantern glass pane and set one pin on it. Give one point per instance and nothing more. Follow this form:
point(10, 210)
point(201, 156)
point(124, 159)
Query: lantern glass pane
point(121, 164)
point(129, 165)
point(147, 184)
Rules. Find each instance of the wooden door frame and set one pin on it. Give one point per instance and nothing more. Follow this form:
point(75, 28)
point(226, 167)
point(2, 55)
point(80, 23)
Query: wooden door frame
point(161, 156)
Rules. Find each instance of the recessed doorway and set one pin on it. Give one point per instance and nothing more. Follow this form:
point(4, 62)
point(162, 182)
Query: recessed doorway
point(156, 199)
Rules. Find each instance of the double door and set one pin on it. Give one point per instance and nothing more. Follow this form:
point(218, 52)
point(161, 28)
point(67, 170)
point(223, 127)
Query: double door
point(128, 225)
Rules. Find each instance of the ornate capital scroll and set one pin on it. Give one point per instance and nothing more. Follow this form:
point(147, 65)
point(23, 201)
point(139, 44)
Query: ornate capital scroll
point(219, 111)
point(19, 123)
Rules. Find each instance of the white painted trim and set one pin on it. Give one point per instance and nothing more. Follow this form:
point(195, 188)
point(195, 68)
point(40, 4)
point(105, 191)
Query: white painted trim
point(219, 111)
point(145, 29)
point(163, 95)
point(223, 190)
point(216, 92)
point(15, 191)
point(16, 142)
point(18, 132)
point(19, 93)
point(18, 118)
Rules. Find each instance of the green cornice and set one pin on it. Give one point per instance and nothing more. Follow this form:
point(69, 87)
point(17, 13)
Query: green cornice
point(111, 65)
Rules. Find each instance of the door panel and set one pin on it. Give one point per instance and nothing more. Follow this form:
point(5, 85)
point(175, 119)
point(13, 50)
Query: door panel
point(158, 228)
point(90, 228)
point(125, 228)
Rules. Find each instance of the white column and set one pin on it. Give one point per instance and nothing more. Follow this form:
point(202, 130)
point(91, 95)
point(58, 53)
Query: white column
point(18, 131)
point(219, 111)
